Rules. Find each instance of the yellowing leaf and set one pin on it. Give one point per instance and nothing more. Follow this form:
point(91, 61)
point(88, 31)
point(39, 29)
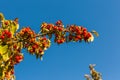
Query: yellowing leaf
point(3, 49)
point(5, 56)
point(94, 32)
point(13, 27)
point(1, 16)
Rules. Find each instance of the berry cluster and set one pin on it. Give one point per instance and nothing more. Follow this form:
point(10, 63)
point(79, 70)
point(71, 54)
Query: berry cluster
point(25, 34)
point(78, 33)
point(37, 47)
point(35, 44)
point(57, 30)
point(5, 35)
point(16, 58)
point(71, 33)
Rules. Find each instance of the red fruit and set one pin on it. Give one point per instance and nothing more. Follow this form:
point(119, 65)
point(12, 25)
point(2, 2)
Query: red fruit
point(32, 50)
point(9, 35)
point(84, 29)
point(88, 35)
point(18, 50)
point(60, 28)
point(85, 33)
point(23, 30)
point(76, 39)
point(44, 38)
point(6, 31)
point(15, 46)
point(32, 40)
point(30, 33)
point(79, 37)
point(79, 32)
point(60, 41)
point(20, 57)
point(59, 22)
point(17, 57)
point(12, 72)
point(48, 26)
point(26, 45)
point(6, 22)
point(70, 38)
point(2, 37)
point(77, 28)
point(34, 46)
point(45, 44)
point(40, 50)
point(55, 27)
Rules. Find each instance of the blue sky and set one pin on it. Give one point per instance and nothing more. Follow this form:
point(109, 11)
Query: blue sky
point(70, 61)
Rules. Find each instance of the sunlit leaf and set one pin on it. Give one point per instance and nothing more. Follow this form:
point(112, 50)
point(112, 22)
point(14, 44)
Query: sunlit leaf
point(1, 16)
point(3, 49)
point(5, 56)
point(14, 27)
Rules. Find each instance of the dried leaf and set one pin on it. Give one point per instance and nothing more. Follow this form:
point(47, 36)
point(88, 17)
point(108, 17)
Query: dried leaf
point(95, 33)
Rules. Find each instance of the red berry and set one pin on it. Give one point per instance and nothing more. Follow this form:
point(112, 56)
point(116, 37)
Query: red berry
point(84, 29)
point(60, 41)
point(20, 57)
point(76, 39)
point(26, 45)
point(59, 22)
point(32, 50)
point(44, 38)
point(85, 33)
point(40, 50)
point(2, 37)
point(17, 57)
point(55, 27)
point(12, 72)
point(88, 35)
point(6, 22)
point(15, 46)
point(70, 37)
point(79, 32)
point(34, 46)
point(6, 31)
point(79, 37)
point(60, 28)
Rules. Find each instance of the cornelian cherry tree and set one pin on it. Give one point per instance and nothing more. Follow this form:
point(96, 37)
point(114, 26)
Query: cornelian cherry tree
point(12, 41)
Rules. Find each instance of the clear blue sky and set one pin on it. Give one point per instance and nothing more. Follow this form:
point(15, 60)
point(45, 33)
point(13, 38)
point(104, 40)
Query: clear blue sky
point(70, 61)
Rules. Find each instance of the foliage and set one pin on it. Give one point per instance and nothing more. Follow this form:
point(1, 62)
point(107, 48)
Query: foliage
point(94, 75)
point(12, 41)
